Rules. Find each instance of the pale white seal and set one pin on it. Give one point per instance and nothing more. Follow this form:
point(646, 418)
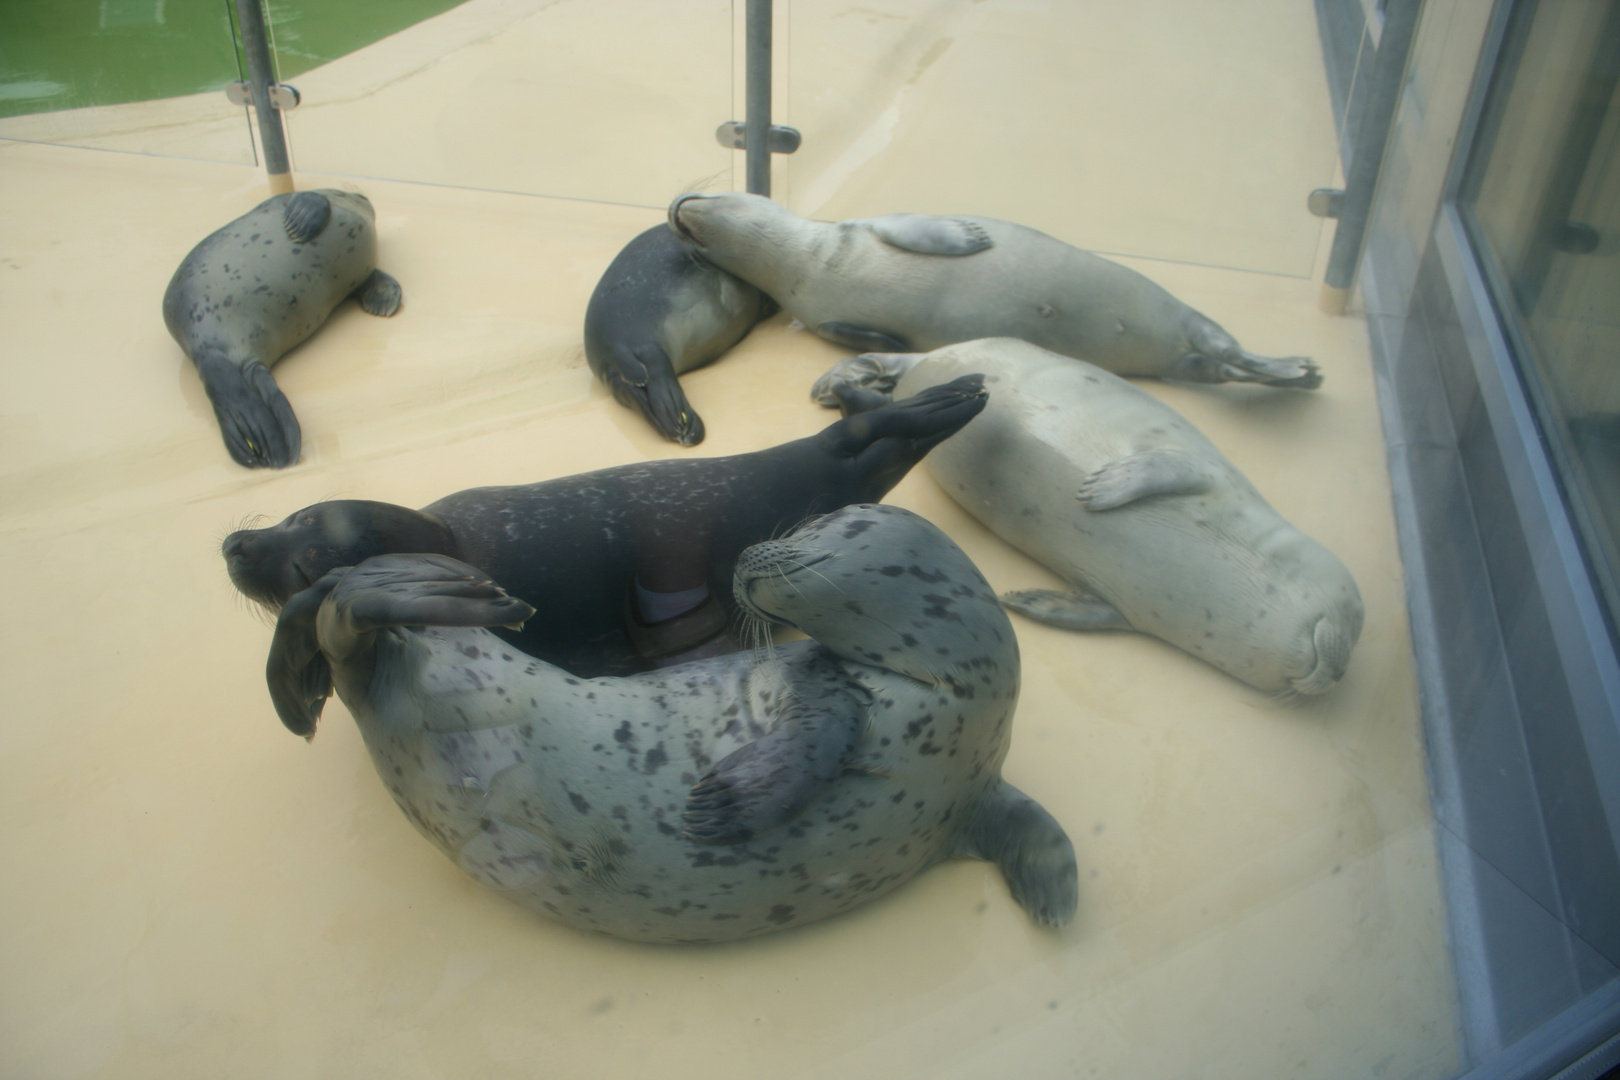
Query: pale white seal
point(909, 282)
point(717, 800)
point(1117, 493)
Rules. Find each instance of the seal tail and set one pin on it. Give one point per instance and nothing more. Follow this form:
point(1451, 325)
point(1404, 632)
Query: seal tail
point(887, 441)
point(254, 416)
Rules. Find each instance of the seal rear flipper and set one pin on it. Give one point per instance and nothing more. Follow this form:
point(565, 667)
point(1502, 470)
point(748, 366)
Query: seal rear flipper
point(1017, 834)
point(1140, 476)
point(770, 781)
point(923, 234)
point(379, 294)
point(874, 373)
point(1066, 610)
point(1295, 372)
point(886, 442)
point(644, 379)
point(857, 337)
point(254, 416)
point(305, 215)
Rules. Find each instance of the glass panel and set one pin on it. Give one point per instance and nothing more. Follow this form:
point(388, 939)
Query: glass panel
point(145, 76)
point(1546, 207)
point(1188, 131)
point(610, 100)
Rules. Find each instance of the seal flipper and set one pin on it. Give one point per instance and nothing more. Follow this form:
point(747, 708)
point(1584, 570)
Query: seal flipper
point(379, 294)
point(768, 782)
point(857, 337)
point(412, 590)
point(1016, 833)
point(886, 442)
point(1139, 476)
point(254, 416)
point(299, 677)
point(1066, 610)
point(1215, 356)
point(923, 234)
point(644, 379)
point(305, 215)
point(873, 372)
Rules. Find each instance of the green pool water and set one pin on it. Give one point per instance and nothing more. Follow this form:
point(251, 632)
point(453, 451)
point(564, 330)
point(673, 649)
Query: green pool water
point(67, 54)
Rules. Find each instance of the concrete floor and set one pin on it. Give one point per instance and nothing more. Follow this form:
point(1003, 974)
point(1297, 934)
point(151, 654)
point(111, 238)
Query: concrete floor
point(191, 891)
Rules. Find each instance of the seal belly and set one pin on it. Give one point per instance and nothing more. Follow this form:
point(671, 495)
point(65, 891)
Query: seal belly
point(1216, 572)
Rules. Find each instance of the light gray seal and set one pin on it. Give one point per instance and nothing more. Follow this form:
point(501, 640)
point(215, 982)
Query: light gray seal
point(1119, 495)
point(909, 282)
point(718, 800)
point(659, 311)
point(254, 289)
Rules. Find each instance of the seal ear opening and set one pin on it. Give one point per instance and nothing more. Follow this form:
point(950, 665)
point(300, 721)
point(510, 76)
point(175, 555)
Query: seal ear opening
point(297, 672)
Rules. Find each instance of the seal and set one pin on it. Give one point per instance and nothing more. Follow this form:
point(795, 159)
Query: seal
point(601, 553)
point(261, 285)
point(718, 800)
point(909, 282)
point(659, 311)
point(1119, 495)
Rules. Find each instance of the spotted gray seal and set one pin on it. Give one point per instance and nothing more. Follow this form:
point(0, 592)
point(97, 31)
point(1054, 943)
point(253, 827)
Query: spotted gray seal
point(1121, 496)
point(718, 800)
point(259, 286)
point(910, 282)
point(599, 551)
point(660, 310)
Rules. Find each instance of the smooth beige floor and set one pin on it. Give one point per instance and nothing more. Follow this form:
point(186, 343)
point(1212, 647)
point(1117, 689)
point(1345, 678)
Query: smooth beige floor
point(193, 892)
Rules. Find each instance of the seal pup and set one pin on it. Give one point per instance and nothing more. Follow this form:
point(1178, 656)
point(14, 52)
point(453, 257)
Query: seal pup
point(261, 285)
point(910, 282)
point(584, 548)
point(1119, 495)
point(715, 801)
point(659, 311)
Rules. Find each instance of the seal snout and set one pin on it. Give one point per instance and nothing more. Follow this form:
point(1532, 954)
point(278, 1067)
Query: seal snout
point(681, 228)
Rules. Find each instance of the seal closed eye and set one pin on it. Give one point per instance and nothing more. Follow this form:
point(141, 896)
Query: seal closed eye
point(718, 800)
point(256, 288)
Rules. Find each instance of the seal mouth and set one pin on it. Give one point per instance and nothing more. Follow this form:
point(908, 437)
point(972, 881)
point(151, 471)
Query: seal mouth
point(678, 225)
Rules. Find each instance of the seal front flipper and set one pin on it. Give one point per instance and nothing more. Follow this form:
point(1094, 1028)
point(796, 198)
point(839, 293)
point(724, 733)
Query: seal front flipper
point(412, 590)
point(1066, 610)
point(857, 337)
point(926, 235)
point(305, 215)
point(379, 294)
point(768, 782)
point(254, 416)
point(297, 673)
point(1139, 476)
point(1017, 834)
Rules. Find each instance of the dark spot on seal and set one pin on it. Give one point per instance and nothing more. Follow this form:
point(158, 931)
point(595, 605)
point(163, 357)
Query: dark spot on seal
point(622, 733)
point(579, 802)
point(851, 531)
point(470, 650)
point(892, 571)
point(781, 914)
point(656, 758)
point(922, 575)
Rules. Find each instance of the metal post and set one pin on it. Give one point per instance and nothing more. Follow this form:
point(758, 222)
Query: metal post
point(1372, 139)
point(272, 140)
point(757, 120)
